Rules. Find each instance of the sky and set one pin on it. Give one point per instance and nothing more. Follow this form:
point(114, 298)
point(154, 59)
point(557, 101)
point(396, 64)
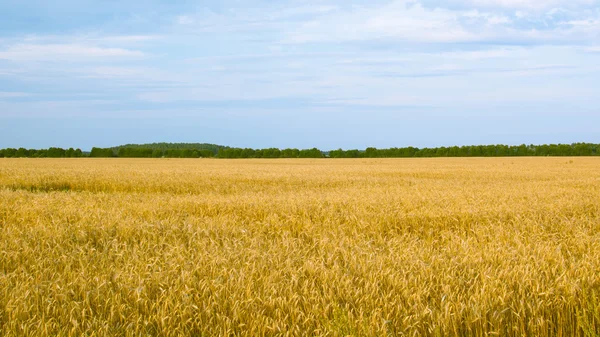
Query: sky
point(313, 73)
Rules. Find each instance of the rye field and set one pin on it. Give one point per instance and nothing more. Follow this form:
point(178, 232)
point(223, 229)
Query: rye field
point(300, 247)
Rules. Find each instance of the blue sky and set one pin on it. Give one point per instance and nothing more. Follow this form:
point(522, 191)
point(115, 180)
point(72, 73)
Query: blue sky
point(324, 73)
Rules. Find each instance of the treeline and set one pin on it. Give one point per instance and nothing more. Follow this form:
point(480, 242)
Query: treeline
point(223, 152)
point(269, 153)
point(160, 150)
point(131, 152)
point(166, 150)
point(164, 147)
point(53, 152)
point(577, 149)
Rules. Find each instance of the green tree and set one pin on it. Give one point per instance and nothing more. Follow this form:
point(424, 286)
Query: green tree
point(10, 153)
point(22, 153)
point(311, 153)
point(101, 153)
point(55, 152)
point(290, 153)
point(371, 152)
point(157, 153)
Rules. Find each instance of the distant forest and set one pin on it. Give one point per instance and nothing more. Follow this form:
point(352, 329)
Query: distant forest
point(196, 150)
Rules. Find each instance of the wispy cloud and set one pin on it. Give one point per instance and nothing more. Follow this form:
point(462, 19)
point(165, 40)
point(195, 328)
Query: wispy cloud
point(527, 5)
point(412, 21)
point(4, 94)
point(117, 39)
point(63, 52)
point(399, 20)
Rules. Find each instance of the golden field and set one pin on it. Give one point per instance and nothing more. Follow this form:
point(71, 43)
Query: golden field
point(206, 247)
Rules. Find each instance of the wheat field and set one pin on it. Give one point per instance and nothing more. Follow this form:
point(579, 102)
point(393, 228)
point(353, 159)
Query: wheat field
point(206, 247)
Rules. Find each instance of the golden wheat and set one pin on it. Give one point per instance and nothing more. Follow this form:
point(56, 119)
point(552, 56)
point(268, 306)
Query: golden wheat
point(408, 247)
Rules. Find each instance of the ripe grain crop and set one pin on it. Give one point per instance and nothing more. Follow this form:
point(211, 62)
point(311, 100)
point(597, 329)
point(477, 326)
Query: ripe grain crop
point(404, 247)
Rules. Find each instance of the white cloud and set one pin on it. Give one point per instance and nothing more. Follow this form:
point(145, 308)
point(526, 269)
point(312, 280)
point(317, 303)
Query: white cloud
point(532, 4)
point(487, 18)
point(482, 54)
point(63, 52)
point(413, 22)
point(113, 72)
point(119, 39)
point(83, 39)
point(227, 91)
point(185, 20)
point(496, 20)
point(4, 94)
point(66, 108)
point(584, 23)
point(402, 20)
point(131, 76)
point(248, 19)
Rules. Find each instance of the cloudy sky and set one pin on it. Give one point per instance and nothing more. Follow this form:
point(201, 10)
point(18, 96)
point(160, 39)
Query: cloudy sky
point(324, 73)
